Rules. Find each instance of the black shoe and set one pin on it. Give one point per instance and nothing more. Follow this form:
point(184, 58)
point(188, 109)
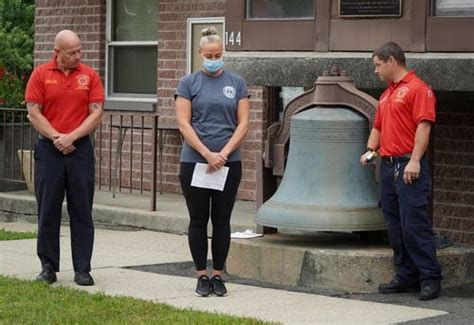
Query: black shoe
point(83, 279)
point(218, 287)
point(396, 287)
point(430, 290)
point(203, 288)
point(47, 274)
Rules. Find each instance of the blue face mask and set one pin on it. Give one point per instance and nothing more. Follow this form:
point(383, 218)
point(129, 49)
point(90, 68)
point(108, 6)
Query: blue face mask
point(213, 66)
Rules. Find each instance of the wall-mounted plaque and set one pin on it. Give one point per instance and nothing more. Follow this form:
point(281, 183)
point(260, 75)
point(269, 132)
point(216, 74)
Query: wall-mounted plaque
point(370, 8)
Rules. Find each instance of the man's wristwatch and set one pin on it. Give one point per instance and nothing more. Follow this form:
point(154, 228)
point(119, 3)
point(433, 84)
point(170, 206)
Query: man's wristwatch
point(372, 154)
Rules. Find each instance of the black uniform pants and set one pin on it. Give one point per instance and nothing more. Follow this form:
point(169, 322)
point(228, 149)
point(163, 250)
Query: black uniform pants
point(405, 208)
point(55, 175)
point(203, 202)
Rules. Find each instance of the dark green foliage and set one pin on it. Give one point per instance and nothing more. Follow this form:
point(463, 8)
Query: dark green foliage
point(16, 49)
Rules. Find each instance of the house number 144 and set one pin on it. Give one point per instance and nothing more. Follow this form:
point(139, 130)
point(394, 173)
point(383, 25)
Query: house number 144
point(232, 38)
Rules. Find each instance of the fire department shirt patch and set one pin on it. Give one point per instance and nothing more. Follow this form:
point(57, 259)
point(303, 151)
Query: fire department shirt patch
point(229, 92)
point(83, 81)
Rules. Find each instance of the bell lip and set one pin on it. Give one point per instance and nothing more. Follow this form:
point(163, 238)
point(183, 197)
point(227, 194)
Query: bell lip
point(272, 203)
point(307, 218)
point(315, 228)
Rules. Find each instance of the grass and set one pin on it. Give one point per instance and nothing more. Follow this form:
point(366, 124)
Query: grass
point(13, 235)
point(26, 302)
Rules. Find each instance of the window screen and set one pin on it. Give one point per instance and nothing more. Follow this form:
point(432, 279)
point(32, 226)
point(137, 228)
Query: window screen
point(455, 8)
point(135, 20)
point(134, 69)
point(280, 9)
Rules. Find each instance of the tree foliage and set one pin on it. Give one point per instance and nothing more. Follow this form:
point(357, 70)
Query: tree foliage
point(16, 49)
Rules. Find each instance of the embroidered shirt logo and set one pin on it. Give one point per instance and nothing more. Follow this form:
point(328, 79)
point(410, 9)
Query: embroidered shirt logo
point(401, 94)
point(83, 81)
point(229, 92)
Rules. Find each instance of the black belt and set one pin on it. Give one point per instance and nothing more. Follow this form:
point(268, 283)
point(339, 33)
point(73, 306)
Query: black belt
point(394, 159)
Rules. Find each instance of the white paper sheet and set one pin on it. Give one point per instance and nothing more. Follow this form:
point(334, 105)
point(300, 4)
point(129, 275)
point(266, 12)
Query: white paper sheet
point(215, 180)
point(249, 233)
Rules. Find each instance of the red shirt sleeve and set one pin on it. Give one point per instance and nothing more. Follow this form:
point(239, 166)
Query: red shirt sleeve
point(35, 88)
point(96, 92)
point(424, 104)
point(378, 119)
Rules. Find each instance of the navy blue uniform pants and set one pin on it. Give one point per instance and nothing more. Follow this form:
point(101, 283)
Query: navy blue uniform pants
point(56, 175)
point(203, 203)
point(405, 209)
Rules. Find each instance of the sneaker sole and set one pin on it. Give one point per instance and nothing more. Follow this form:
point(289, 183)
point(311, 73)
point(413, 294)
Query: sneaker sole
point(200, 295)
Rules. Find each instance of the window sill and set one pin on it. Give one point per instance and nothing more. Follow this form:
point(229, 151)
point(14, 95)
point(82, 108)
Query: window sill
point(130, 105)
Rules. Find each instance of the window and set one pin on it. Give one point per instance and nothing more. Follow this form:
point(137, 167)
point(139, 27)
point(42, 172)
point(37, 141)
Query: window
point(132, 32)
point(280, 9)
point(301, 25)
point(450, 25)
point(453, 8)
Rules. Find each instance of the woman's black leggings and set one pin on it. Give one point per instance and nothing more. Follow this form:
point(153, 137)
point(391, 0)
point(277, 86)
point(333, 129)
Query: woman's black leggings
point(204, 202)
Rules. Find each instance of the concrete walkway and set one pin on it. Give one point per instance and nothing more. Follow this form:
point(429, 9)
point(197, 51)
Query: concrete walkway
point(117, 249)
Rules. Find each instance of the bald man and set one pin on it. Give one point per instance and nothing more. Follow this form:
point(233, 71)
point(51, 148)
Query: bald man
point(65, 104)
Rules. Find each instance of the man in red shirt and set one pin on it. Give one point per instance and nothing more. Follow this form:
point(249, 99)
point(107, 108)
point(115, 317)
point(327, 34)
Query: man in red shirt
point(400, 134)
point(64, 100)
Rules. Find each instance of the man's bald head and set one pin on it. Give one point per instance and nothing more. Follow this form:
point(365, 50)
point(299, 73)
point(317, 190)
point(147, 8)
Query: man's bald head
point(67, 47)
point(66, 38)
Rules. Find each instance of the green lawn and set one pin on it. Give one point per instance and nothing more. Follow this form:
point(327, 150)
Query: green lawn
point(13, 235)
point(26, 302)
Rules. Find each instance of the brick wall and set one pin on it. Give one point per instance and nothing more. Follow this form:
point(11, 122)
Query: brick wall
point(454, 167)
point(85, 17)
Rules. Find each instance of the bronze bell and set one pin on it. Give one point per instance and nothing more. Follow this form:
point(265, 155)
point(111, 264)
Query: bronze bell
point(324, 187)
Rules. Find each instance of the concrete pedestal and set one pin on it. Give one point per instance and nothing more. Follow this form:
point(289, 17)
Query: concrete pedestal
point(334, 262)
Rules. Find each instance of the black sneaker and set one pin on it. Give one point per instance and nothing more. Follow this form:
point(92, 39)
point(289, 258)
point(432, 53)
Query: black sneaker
point(83, 279)
point(203, 288)
point(396, 286)
point(47, 274)
point(218, 287)
point(430, 290)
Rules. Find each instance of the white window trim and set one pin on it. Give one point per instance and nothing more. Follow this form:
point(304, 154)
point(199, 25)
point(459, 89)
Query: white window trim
point(189, 41)
point(109, 43)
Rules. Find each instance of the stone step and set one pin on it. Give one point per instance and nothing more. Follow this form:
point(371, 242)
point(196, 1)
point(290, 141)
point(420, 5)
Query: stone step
point(333, 262)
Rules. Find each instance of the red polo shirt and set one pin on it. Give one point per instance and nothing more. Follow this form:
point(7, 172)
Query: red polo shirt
point(65, 98)
point(402, 106)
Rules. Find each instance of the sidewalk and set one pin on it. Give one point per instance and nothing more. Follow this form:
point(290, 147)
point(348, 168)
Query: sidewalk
point(117, 249)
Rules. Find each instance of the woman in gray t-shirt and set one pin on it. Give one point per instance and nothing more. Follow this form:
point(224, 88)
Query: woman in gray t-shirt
point(212, 110)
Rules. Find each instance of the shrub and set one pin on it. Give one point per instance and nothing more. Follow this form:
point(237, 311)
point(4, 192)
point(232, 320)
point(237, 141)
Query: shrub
point(16, 50)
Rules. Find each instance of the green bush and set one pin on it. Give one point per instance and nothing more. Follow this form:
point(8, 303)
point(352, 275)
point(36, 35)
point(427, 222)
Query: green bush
point(16, 50)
